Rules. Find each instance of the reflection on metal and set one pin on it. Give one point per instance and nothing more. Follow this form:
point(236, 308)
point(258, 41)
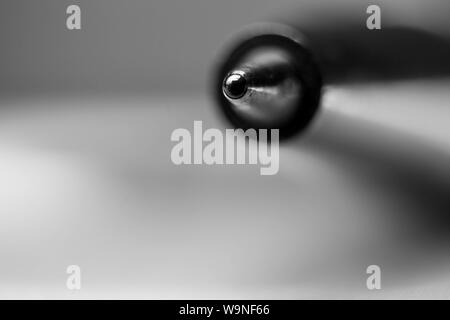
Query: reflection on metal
point(264, 87)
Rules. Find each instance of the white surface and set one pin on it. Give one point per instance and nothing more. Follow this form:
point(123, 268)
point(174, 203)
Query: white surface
point(89, 181)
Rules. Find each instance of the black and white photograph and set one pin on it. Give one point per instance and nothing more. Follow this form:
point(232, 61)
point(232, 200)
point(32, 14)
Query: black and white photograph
point(208, 150)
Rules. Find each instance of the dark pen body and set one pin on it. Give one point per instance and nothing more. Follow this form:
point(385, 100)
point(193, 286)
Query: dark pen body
point(281, 68)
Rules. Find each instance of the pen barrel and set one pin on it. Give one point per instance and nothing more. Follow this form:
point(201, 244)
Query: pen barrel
point(379, 40)
point(397, 53)
point(339, 48)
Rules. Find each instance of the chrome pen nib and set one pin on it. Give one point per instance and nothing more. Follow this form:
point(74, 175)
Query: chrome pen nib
point(265, 88)
point(235, 85)
point(269, 81)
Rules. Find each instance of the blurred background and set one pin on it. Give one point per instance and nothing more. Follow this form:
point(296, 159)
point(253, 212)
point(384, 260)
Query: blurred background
point(86, 176)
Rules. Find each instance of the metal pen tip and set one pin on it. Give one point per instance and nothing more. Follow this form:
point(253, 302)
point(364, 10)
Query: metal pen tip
point(269, 81)
point(235, 85)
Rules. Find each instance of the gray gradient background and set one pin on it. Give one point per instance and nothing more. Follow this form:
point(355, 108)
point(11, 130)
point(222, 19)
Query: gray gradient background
point(123, 45)
point(140, 45)
point(86, 176)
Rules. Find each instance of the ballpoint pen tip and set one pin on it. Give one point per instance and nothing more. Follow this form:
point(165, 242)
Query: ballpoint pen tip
point(235, 85)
